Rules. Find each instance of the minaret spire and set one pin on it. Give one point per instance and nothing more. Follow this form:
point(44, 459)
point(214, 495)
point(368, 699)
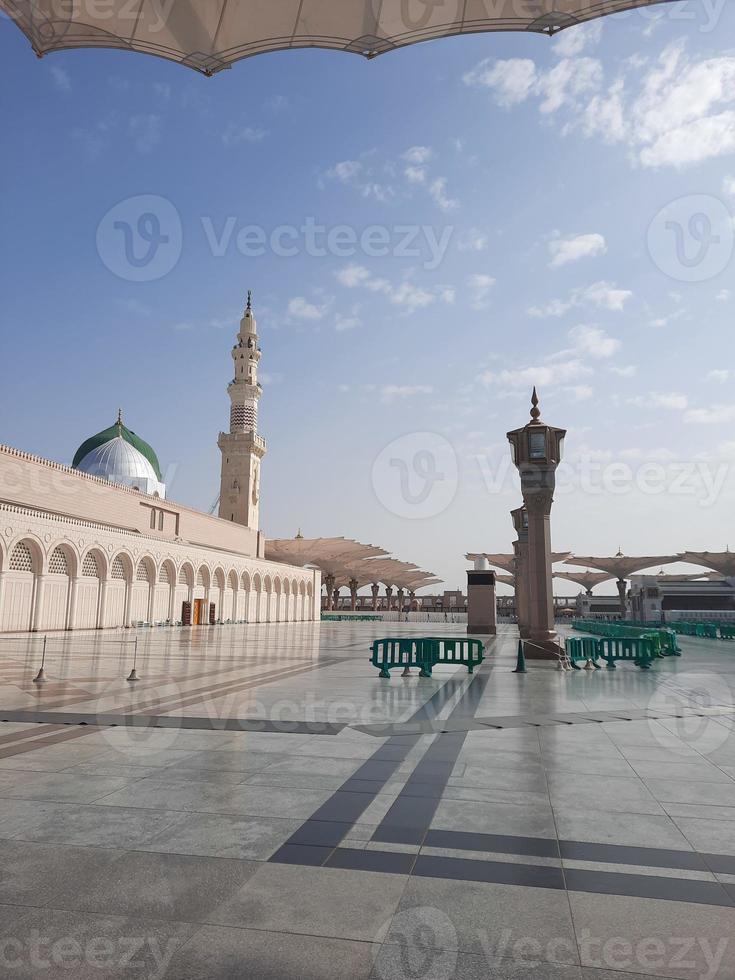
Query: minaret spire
point(242, 448)
point(535, 410)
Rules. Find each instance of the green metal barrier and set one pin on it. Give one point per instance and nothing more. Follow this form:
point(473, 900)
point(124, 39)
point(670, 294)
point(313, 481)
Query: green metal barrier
point(426, 652)
point(639, 651)
point(584, 648)
point(403, 652)
point(663, 639)
point(455, 650)
point(727, 632)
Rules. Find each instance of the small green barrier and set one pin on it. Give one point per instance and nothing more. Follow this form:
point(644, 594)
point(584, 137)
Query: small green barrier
point(585, 648)
point(339, 618)
point(663, 639)
point(727, 632)
point(425, 652)
point(638, 650)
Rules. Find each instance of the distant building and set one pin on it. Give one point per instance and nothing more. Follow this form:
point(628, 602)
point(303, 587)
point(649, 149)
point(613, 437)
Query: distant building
point(654, 598)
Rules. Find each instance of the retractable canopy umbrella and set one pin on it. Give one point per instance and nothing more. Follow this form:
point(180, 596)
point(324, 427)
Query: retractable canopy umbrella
point(209, 35)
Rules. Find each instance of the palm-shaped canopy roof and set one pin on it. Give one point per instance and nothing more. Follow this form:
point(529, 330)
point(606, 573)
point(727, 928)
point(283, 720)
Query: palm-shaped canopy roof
point(209, 35)
point(722, 562)
point(621, 566)
point(588, 580)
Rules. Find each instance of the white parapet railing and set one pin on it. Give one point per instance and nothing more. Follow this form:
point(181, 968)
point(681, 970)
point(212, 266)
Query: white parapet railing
point(700, 615)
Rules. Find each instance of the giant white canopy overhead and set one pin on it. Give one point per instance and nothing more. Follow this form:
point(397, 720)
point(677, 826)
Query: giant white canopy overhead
point(209, 35)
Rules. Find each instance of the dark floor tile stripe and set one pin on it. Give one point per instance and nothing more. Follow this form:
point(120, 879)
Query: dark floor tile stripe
point(494, 872)
point(644, 857)
point(307, 855)
point(386, 862)
point(647, 886)
point(493, 843)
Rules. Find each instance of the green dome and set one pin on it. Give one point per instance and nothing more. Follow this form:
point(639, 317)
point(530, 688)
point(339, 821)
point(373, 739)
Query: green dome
point(118, 429)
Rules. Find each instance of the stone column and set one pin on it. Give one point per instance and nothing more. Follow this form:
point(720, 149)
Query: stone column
point(375, 589)
point(335, 604)
point(128, 603)
point(399, 596)
point(329, 586)
point(411, 600)
point(3, 579)
point(353, 594)
point(622, 589)
point(481, 610)
point(102, 607)
point(38, 603)
point(520, 585)
point(540, 579)
point(71, 619)
point(388, 597)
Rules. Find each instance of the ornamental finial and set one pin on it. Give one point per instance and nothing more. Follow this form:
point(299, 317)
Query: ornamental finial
point(119, 422)
point(299, 535)
point(249, 307)
point(535, 410)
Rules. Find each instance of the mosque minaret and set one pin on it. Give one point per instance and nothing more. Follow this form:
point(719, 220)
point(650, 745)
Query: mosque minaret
point(242, 448)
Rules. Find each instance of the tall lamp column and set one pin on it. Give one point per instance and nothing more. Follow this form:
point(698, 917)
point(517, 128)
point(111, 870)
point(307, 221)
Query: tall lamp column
point(537, 451)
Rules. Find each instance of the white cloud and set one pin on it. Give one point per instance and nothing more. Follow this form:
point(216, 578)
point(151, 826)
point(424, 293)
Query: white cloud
point(409, 296)
point(345, 171)
point(237, 133)
point(625, 371)
point(715, 415)
point(512, 80)
point(473, 241)
point(720, 376)
point(418, 154)
point(359, 175)
point(438, 192)
point(593, 341)
point(601, 295)
point(658, 399)
point(575, 40)
point(302, 309)
point(674, 112)
point(347, 321)
point(145, 131)
point(60, 78)
point(572, 248)
point(566, 82)
point(580, 393)
point(724, 296)
point(479, 286)
point(415, 175)
point(557, 373)
point(389, 393)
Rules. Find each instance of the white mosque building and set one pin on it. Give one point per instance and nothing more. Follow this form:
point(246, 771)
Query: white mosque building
point(98, 545)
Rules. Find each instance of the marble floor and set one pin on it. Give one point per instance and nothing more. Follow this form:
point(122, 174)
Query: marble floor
point(260, 804)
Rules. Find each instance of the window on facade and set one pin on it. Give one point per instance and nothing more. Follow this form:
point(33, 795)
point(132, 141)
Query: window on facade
point(118, 569)
point(89, 566)
point(160, 520)
point(153, 519)
point(58, 564)
point(21, 559)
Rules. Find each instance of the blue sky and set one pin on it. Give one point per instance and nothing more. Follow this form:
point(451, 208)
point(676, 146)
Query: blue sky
point(557, 213)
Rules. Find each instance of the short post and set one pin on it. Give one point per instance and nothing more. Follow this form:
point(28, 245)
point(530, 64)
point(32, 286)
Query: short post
point(41, 675)
point(133, 675)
